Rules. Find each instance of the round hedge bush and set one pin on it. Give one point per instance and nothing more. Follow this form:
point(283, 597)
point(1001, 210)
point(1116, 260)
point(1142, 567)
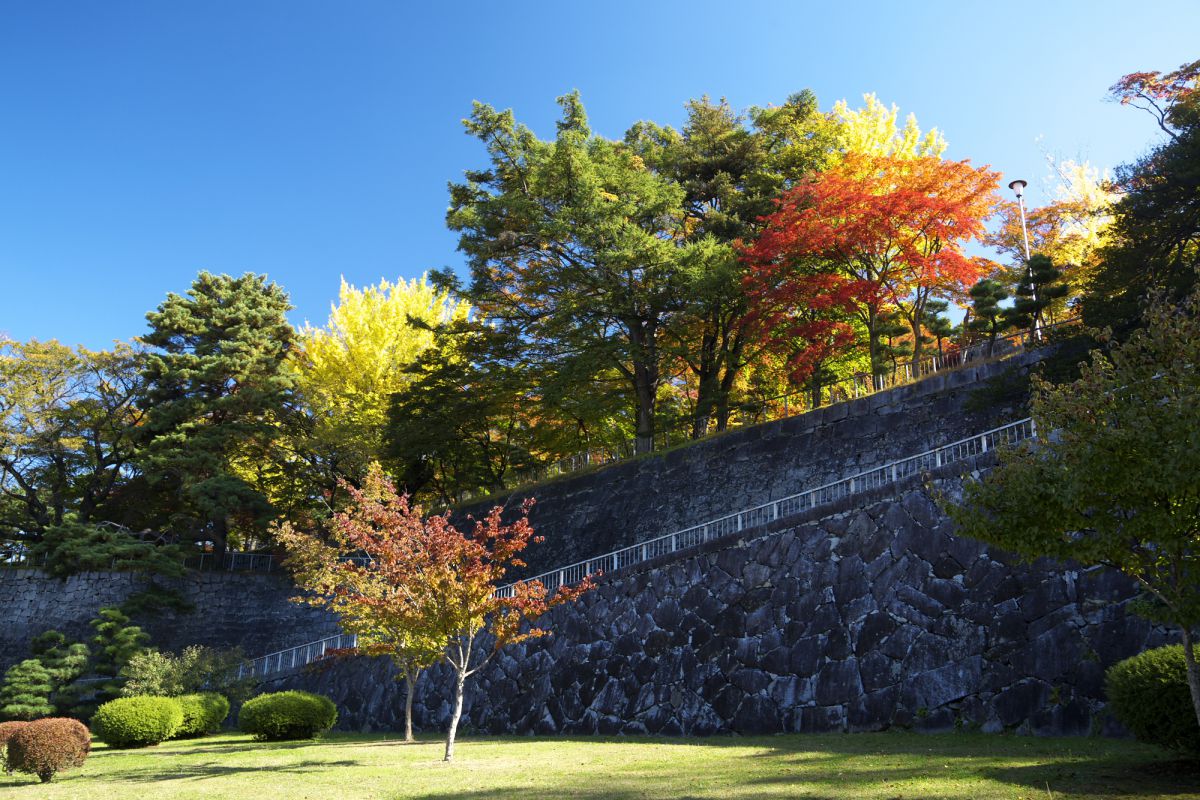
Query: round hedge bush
point(1149, 695)
point(7, 729)
point(47, 746)
point(287, 715)
point(138, 721)
point(202, 713)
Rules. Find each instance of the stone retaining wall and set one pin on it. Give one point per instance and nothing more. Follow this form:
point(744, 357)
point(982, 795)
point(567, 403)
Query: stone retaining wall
point(864, 619)
point(251, 611)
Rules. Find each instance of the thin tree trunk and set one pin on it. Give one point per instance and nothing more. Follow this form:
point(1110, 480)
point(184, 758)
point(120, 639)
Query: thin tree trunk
point(456, 715)
point(410, 683)
point(1193, 671)
point(645, 384)
point(917, 348)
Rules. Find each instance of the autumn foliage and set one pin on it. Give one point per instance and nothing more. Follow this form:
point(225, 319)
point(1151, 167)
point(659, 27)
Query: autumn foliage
point(48, 746)
point(417, 588)
point(876, 233)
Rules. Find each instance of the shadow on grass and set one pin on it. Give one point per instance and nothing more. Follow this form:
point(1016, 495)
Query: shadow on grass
point(213, 769)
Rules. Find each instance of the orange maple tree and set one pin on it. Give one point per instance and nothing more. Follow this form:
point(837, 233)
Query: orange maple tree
point(892, 228)
point(418, 589)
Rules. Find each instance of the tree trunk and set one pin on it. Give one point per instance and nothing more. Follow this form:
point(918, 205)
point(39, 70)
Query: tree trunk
point(873, 351)
point(1193, 671)
point(410, 683)
point(917, 348)
point(707, 384)
point(456, 715)
point(645, 383)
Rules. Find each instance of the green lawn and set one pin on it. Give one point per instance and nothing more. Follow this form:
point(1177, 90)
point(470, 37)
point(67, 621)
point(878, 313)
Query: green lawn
point(887, 765)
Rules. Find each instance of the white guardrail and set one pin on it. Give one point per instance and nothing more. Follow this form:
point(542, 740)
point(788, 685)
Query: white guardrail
point(766, 513)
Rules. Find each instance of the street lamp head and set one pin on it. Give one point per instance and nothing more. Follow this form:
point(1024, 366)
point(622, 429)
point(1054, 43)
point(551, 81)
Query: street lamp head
point(1018, 186)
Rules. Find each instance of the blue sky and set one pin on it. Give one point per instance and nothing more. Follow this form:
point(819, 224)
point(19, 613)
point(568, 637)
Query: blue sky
point(141, 142)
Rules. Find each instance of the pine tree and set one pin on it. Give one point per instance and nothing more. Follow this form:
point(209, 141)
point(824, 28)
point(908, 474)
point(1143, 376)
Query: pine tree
point(890, 327)
point(216, 388)
point(937, 323)
point(65, 663)
point(26, 691)
point(1040, 286)
point(990, 318)
point(116, 642)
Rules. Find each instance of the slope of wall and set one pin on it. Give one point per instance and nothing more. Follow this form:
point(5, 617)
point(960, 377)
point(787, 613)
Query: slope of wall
point(863, 619)
point(593, 513)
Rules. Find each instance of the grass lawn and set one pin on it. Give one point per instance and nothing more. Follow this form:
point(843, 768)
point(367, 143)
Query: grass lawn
point(885, 765)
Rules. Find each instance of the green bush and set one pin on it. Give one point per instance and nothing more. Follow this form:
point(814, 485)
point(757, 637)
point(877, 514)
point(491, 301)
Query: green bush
point(202, 713)
point(287, 715)
point(48, 746)
point(138, 721)
point(194, 669)
point(1149, 695)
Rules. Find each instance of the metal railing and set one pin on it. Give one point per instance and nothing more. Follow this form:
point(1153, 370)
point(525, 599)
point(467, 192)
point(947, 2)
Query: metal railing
point(294, 657)
point(869, 480)
point(866, 481)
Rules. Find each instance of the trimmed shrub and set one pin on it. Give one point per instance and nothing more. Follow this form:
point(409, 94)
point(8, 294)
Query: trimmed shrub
point(1149, 695)
point(7, 729)
point(48, 746)
point(138, 721)
point(202, 713)
point(287, 715)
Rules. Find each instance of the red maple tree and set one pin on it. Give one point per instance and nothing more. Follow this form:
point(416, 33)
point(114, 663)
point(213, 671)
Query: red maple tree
point(421, 590)
point(892, 228)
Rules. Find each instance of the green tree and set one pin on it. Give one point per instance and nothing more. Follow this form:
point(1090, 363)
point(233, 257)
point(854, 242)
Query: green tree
point(1040, 288)
point(68, 422)
point(1112, 478)
point(217, 383)
point(988, 317)
point(76, 547)
point(194, 669)
point(115, 643)
point(731, 167)
point(463, 425)
point(939, 326)
point(575, 246)
point(26, 691)
point(1153, 243)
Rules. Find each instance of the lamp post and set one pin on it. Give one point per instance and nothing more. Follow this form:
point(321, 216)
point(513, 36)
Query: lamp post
point(1018, 186)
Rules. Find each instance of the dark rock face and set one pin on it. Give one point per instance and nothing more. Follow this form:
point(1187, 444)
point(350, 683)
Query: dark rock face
point(863, 620)
point(251, 611)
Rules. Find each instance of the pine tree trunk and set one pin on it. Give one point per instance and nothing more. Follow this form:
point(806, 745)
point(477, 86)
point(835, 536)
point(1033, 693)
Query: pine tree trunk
point(1193, 671)
point(454, 717)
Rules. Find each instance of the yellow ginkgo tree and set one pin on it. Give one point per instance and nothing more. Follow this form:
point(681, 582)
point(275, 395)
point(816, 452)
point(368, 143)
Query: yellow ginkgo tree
point(349, 369)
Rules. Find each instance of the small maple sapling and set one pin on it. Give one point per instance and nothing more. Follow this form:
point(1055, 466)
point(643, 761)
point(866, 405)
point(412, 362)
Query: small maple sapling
point(463, 603)
point(425, 590)
point(377, 597)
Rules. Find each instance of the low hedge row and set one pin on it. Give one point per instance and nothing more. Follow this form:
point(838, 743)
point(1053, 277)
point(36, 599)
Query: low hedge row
point(148, 720)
